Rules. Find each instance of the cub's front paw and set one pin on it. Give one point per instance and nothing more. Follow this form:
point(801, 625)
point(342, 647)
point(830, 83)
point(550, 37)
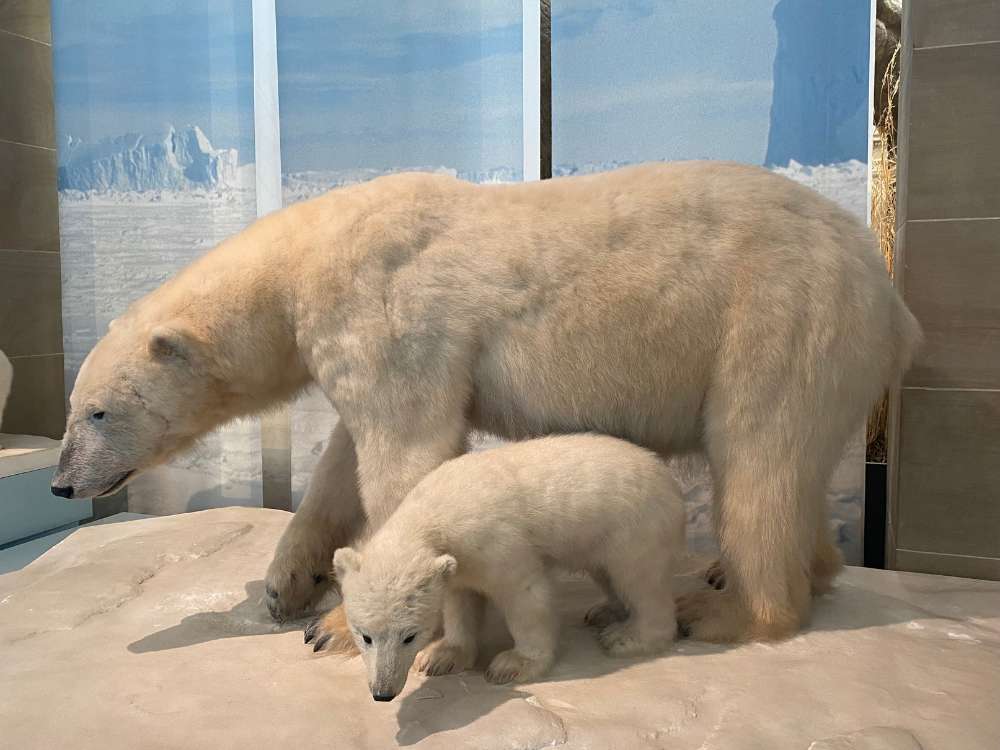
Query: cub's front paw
point(510, 666)
point(444, 658)
point(329, 632)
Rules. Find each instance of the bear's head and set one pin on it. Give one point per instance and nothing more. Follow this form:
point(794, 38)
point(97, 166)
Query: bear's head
point(144, 393)
point(394, 608)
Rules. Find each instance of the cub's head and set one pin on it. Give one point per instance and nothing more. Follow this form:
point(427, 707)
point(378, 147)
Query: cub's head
point(394, 609)
point(143, 394)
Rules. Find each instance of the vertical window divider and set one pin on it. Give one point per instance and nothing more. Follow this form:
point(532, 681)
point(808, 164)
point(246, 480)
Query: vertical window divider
point(275, 425)
point(545, 93)
point(531, 79)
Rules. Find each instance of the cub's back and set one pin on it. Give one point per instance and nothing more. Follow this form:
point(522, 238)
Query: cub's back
point(562, 495)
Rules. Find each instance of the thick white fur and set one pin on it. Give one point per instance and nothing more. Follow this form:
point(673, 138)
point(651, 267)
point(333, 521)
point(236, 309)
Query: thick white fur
point(687, 306)
point(6, 380)
point(506, 516)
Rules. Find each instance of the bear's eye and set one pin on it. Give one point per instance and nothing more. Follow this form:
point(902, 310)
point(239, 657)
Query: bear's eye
point(366, 638)
point(97, 416)
point(409, 638)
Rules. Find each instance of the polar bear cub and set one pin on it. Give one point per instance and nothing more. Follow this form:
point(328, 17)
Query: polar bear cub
point(491, 525)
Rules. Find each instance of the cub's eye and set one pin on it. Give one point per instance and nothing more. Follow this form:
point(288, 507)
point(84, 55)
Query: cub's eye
point(366, 638)
point(97, 416)
point(409, 638)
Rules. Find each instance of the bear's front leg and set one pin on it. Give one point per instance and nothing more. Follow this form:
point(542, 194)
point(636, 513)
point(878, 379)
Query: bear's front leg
point(391, 463)
point(528, 608)
point(396, 449)
point(329, 517)
point(457, 649)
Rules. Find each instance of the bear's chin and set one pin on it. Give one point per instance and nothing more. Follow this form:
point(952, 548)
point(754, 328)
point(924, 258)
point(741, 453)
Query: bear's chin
point(117, 484)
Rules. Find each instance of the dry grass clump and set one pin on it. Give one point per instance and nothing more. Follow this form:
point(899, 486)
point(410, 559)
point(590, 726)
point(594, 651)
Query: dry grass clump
point(884, 222)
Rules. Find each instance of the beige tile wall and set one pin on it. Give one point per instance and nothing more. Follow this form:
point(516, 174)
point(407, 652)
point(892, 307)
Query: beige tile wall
point(30, 287)
point(945, 472)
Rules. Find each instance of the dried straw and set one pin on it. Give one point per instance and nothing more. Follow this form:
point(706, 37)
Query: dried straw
point(884, 222)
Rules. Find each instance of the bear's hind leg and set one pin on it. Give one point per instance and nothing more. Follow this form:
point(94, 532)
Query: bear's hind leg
point(611, 610)
point(827, 563)
point(769, 494)
point(651, 625)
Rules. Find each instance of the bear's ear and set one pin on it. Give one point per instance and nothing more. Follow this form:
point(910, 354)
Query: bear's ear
point(345, 560)
point(169, 342)
point(445, 565)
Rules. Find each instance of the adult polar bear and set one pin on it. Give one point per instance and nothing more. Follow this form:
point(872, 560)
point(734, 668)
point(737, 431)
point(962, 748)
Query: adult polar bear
point(684, 306)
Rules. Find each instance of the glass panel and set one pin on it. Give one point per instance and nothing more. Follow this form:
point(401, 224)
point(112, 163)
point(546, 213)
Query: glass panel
point(367, 88)
point(784, 85)
point(154, 113)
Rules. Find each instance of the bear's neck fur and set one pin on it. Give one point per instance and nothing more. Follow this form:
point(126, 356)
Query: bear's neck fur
point(237, 304)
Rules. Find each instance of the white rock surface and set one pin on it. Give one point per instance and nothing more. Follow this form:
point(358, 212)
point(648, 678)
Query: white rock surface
point(150, 634)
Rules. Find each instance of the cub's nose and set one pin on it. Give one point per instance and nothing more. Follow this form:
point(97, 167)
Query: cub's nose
point(383, 696)
point(66, 492)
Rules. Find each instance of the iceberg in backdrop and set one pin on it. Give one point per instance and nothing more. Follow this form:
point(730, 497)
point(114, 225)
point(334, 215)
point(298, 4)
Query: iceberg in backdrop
point(169, 159)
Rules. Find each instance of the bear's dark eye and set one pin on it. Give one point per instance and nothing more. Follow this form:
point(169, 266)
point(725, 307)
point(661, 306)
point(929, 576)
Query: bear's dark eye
point(409, 638)
point(366, 638)
point(97, 416)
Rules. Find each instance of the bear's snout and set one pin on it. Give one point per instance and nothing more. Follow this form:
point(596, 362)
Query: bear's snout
point(62, 491)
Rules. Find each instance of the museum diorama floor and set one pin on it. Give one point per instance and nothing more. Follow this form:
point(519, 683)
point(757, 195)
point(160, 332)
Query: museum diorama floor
point(151, 633)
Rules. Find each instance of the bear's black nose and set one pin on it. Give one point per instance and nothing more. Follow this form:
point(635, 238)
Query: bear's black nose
point(66, 492)
point(383, 696)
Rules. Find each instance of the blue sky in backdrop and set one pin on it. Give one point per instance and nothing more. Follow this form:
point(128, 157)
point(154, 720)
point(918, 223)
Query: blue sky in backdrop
point(387, 83)
point(661, 79)
point(384, 83)
point(133, 65)
point(634, 80)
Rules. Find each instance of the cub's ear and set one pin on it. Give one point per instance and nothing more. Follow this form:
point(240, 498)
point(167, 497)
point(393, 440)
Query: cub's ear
point(445, 565)
point(169, 343)
point(345, 560)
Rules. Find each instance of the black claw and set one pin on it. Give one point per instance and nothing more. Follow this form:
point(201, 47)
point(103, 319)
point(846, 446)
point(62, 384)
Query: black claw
point(321, 643)
point(276, 614)
point(311, 629)
point(717, 581)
